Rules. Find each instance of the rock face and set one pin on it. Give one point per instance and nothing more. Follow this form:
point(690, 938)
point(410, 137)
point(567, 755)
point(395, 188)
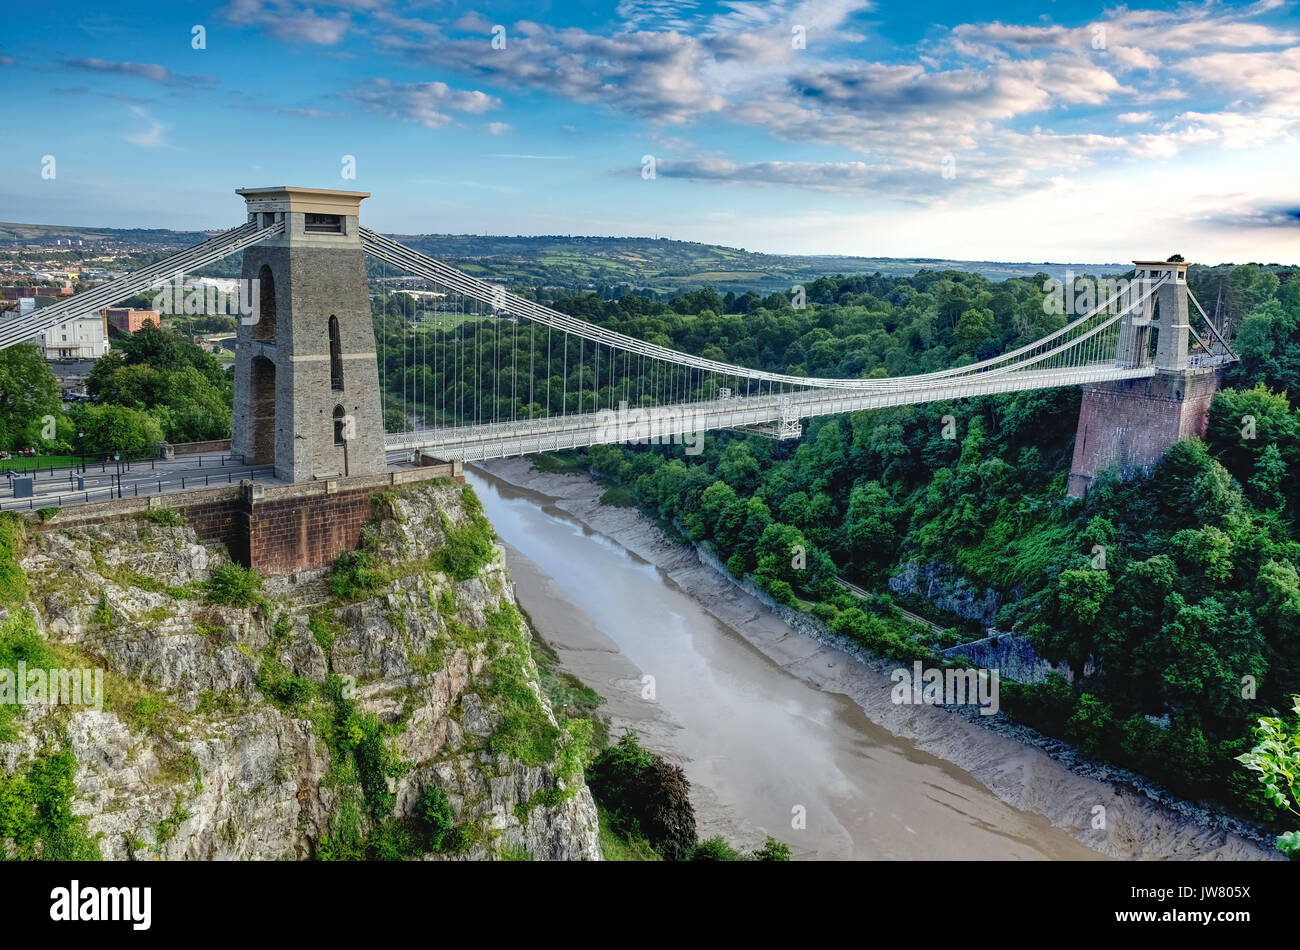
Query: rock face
point(311, 724)
point(937, 583)
point(1013, 656)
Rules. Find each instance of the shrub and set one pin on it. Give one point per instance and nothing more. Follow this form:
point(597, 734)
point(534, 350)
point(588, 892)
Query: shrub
point(282, 686)
point(618, 497)
point(168, 517)
point(235, 586)
point(435, 818)
point(644, 796)
point(354, 576)
point(13, 582)
point(773, 850)
point(36, 816)
point(714, 849)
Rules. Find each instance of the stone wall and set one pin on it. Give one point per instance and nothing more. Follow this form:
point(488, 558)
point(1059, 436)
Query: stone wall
point(297, 531)
point(1130, 424)
point(198, 448)
point(273, 529)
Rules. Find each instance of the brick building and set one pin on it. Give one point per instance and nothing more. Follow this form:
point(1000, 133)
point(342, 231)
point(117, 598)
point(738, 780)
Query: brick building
point(128, 319)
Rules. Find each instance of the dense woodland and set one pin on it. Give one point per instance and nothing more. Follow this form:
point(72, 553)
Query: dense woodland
point(1201, 582)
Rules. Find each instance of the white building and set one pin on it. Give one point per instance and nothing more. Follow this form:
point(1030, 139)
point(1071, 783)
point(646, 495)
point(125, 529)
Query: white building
point(84, 338)
point(80, 339)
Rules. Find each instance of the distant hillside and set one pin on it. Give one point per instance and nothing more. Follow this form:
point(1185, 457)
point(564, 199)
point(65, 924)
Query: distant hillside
point(662, 265)
point(14, 236)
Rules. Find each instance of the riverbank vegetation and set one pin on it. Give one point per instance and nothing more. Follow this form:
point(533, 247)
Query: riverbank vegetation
point(646, 811)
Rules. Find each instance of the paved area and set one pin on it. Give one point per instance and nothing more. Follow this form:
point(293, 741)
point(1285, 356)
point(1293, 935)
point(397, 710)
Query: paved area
point(106, 479)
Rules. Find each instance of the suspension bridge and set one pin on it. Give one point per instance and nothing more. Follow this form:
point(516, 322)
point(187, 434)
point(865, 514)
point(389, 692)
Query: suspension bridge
point(485, 373)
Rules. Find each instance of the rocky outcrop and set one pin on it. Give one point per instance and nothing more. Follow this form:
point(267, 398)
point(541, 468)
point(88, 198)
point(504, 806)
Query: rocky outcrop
point(1014, 657)
point(311, 723)
point(938, 584)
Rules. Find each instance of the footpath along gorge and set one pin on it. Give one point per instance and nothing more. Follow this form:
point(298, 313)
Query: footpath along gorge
point(387, 707)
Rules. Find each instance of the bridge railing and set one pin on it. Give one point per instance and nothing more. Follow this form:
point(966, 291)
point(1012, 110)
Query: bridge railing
point(159, 487)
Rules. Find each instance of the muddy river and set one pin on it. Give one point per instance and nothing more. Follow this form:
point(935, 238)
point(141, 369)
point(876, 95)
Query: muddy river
point(767, 751)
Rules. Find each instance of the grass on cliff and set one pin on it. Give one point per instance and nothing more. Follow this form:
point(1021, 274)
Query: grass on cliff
point(466, 550)
point(363, 759)
point(614, 847)
point(13, 581)
point(19, 642)
point(36, 817)
point(167, 517)
point(524, 731)
point(363, 826)
point(469, 547)
point(234, 586)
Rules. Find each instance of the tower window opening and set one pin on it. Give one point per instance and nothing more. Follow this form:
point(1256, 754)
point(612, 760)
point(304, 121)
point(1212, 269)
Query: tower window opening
point(340, 425)
point(336, 354)
point(323, 223)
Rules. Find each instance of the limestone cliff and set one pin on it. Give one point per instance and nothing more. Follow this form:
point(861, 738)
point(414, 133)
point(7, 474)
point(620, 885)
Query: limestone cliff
point(326, 718)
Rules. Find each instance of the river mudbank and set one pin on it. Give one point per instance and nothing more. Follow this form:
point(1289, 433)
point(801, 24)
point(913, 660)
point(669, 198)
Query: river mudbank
point(885, 780)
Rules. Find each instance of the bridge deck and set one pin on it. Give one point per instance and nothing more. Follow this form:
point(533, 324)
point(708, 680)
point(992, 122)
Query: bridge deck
point(577, 430)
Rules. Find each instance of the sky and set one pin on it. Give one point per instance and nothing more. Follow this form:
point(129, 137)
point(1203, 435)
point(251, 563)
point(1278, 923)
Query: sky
point(1020, 131)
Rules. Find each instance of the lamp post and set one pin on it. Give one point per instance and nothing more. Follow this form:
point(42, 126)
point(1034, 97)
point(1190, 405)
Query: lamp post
point(81, 447)
point(117, 458)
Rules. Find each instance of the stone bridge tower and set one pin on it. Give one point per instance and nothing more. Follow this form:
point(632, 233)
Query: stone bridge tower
point(1129, 424)
point(306, 379)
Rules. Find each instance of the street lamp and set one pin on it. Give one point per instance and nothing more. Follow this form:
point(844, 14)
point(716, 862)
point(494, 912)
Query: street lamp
point(81, 446)
point(117, 457)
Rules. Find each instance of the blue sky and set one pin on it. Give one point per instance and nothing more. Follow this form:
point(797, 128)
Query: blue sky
point(1008, 130)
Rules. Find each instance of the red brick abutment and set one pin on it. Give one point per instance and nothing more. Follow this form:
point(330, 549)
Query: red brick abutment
point(273, 529)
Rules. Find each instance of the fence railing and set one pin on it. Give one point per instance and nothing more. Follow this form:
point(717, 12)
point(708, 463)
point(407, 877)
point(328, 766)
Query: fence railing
point(126, 465)
point(161, 486)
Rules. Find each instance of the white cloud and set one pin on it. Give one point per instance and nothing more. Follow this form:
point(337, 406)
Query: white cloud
point(290, 21)
point(151, 71)
point(152, 135)
point(1273, 78)
point(425, 103)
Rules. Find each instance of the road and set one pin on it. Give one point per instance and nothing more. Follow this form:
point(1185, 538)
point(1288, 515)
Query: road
point(138, 478)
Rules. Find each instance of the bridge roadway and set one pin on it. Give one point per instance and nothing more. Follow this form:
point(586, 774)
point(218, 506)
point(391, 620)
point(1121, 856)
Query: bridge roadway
point(576, 430)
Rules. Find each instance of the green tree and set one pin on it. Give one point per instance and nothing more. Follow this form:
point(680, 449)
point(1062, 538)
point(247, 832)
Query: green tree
point(644, 796)
point(1276, 757)
point(112, 429)
point(29, 395)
